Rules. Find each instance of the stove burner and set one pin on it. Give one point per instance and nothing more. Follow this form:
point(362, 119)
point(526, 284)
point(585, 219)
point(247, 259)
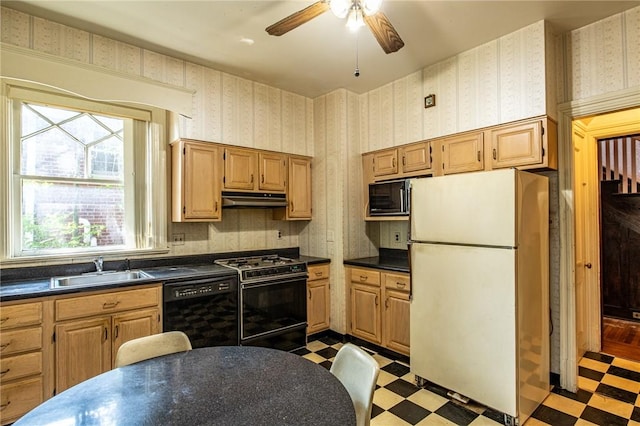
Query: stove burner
point(261, 268)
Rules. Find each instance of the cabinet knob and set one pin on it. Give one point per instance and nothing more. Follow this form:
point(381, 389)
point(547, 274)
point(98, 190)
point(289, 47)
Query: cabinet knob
point(588, 265)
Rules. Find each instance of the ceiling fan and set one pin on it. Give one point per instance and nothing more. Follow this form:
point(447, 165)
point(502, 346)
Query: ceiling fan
point(357, 12)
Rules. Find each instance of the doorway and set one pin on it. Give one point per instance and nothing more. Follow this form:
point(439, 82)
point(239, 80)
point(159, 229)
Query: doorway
point(606, 190)
point(569, 310)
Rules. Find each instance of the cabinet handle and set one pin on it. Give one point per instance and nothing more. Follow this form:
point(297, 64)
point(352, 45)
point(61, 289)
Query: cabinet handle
point(478, 155)
point(3, 347)
point(495, 156)
point(262, 178)
point(216, 207)
point(251, 177)
point(3, 406)
point(318, 274)
point(386, 303)
point(106, 334)
point(400, 284)
point(309, 293)
point(404, 161)
point(363, 277)
point(376, 301)
point(109, 305)
point(3, 372)
point(292, 207)
point(393, 162)
point(115, 332)
point(3, 320)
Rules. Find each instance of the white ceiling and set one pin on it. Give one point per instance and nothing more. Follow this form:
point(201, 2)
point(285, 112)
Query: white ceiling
point(319, 56)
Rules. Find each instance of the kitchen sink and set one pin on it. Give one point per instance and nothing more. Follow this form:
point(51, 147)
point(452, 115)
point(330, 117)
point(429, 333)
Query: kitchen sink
point(98, 278)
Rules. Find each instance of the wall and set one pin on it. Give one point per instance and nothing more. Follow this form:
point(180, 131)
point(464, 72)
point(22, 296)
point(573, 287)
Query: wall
point(226, 109)
point(600, 58)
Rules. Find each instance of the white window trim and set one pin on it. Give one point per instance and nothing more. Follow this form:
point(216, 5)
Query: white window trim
point(151, 185)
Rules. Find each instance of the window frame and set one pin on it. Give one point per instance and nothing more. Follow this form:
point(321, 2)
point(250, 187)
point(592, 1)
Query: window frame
point(147, 192)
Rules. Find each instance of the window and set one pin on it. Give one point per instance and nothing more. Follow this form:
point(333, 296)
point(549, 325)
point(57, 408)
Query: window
point(82, 177)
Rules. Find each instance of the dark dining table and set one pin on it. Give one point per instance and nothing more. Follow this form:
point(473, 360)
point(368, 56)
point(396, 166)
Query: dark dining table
point(226, 385)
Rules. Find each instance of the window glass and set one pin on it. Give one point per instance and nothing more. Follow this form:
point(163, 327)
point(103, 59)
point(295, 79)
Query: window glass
point(72, 184)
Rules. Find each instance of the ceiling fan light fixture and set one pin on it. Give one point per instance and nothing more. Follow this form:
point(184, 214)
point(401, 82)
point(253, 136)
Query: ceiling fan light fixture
point(355, 19)
point(340, 8)
point(370, 7)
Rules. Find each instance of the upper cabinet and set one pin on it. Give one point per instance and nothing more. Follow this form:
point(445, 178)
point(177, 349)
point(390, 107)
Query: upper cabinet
point(298, 190)
point(385, 162)
point(405, 161)
point(201, 171)
point(415, 157)
point(240, 169)
point(530, 144)
point(526, 145)
point(273, 171)
point(462, 153)
point(196, 178)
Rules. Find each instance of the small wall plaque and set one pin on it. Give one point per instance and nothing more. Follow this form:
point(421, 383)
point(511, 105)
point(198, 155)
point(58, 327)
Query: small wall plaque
point(429, 101)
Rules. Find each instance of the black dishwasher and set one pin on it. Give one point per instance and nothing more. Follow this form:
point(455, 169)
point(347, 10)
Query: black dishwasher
point(205, 309)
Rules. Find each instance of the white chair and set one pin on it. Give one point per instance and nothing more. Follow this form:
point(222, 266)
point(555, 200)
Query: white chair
point(156, 345)
point(358, 372)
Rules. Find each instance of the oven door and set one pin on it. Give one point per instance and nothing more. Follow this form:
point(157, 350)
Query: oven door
point(274, 313)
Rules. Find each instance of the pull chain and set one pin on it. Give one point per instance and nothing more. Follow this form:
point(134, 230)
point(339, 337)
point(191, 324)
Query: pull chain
point(357, 71)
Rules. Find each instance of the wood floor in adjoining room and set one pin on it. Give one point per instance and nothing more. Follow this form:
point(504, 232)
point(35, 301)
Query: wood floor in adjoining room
point(621, 338)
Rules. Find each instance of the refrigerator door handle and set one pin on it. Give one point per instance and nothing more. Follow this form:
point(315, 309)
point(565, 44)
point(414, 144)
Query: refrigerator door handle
point(410, 283)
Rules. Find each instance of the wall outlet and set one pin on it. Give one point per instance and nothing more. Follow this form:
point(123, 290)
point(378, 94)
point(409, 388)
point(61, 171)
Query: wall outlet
point(178, 239)
point(278, 235)
point(396, 237)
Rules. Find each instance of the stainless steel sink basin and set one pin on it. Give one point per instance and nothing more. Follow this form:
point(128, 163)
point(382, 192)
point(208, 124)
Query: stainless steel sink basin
point(98, 278)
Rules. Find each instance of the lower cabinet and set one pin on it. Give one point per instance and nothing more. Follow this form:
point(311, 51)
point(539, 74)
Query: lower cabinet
point(25, 354)
point(318, 298)
point(396, 319)
point(380, 307)
point(90, 329)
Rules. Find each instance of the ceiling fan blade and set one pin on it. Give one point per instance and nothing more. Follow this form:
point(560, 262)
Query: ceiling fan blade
point(296, 19)
point(384, 32)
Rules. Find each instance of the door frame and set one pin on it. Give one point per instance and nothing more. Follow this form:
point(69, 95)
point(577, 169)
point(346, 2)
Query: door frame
point(567, 112)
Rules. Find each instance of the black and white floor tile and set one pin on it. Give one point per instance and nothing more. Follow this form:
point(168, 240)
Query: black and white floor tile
point(609, 394)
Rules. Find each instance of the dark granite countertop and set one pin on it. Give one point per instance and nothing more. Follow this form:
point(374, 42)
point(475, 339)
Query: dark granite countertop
point(389, 260)
point(226, 385)
point(25, 283)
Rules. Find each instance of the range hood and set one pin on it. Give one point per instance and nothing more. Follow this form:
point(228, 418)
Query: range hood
point(253, 199)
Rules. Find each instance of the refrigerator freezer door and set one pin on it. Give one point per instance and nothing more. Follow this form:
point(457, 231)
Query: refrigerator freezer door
point(469, 208)
point(463, 321)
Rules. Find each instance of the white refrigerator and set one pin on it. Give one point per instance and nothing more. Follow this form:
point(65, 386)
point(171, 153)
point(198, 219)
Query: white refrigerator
point(479, 253)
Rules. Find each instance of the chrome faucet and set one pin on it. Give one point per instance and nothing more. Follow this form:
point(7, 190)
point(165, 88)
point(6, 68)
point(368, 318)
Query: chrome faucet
point(98, 262)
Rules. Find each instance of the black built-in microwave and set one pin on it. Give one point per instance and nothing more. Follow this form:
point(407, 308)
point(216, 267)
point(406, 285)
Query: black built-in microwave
point(389, 198)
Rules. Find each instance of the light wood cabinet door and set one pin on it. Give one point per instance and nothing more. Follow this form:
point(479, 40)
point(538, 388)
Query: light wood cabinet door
point(240, 169)
point(132, 325)
point(518, 145)
point(396, 321)
point(318, 304)
point(416, 157)
point(463, 153)
point(365, 312)
point(299, 189)
point(273, 171)
point(18, 398)
point(385, 162)
point(196, 180)
point(83, 350)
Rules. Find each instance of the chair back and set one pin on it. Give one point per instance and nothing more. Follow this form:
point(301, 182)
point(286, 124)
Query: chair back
point(147, 347)
point(358, 372)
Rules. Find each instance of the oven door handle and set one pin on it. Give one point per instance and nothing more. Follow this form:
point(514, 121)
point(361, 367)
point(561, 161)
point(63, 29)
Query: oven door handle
point(190, 281)
point(288, 279)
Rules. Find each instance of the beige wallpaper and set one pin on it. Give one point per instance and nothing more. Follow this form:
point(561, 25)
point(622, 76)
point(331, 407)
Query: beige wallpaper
point(525, 73)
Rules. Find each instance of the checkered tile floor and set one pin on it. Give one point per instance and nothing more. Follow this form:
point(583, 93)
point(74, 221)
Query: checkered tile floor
point(609, 395)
